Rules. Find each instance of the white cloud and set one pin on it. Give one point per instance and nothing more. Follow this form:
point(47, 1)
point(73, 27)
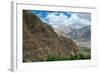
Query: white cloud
point(56, 20)
point(75, 20)
point(85, 16)
point(78, 22)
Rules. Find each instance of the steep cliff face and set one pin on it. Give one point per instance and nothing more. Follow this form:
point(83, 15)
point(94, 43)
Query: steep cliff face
point(40, 40)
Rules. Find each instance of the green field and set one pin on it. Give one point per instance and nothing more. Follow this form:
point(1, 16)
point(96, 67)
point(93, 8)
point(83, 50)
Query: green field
point(85, 53)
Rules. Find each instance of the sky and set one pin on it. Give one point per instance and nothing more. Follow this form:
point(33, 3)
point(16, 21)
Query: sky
point(58, 18)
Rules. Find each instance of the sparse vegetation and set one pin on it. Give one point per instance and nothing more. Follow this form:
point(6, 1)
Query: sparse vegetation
point(76, 57)
point(85, 53)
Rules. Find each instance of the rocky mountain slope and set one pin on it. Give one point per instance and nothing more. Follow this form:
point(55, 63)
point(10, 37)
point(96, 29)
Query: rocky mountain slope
point(40, 40)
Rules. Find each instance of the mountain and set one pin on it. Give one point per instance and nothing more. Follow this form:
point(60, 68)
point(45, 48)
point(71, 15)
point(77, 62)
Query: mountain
point(40, 40)
point(65, 29)
point(79, 26)
point(82, 34)
point(74, 31)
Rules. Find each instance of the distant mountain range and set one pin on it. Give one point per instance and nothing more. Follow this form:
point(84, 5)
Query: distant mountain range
point(82, 34)
point(79, 33)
